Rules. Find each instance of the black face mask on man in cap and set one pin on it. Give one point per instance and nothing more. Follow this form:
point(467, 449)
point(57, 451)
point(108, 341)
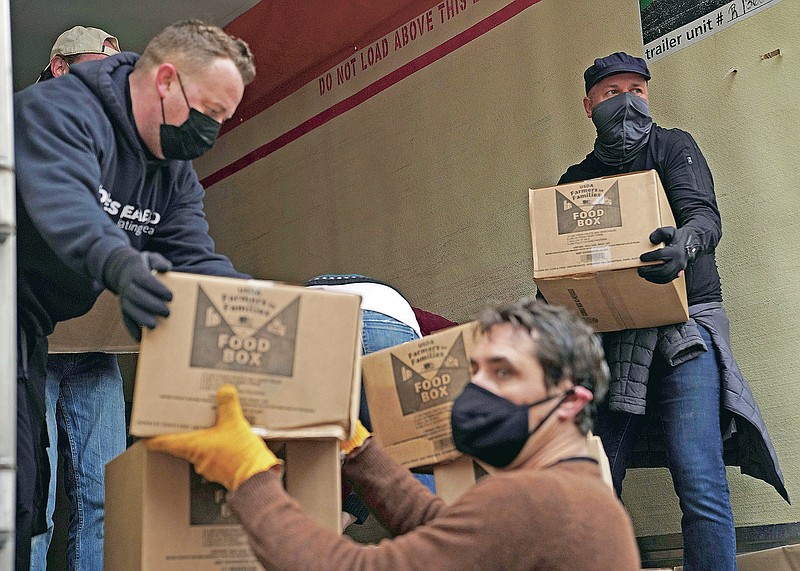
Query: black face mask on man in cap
point(623, 125)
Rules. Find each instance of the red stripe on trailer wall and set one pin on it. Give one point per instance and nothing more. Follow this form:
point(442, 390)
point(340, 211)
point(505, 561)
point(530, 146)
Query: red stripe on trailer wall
point(426, 59)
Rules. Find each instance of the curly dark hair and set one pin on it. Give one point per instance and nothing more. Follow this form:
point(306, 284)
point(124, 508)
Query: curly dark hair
point(566, 347)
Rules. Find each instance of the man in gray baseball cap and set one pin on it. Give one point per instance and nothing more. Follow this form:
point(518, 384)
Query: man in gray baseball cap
point(76, 45)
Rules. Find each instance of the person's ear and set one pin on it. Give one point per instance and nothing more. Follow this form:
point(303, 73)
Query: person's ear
point(574, 402)
point(166, 79)
point(587, 106)
point(58, 66)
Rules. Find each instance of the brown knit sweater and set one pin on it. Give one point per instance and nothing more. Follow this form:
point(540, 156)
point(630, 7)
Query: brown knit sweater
point(560, 517)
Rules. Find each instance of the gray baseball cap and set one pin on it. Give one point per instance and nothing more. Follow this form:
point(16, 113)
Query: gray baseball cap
point(84, 40)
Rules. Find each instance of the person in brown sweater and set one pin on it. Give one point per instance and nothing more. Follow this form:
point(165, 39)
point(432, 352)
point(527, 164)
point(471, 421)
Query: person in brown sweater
point(535, 369)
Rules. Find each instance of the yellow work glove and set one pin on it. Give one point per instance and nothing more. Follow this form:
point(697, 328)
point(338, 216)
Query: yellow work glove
point(358, 438)
point(228, 453)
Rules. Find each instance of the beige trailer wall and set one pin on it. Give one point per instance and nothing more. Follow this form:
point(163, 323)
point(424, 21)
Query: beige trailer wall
point(425, 185)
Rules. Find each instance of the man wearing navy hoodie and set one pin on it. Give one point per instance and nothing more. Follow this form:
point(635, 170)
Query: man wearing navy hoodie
point(106, 194)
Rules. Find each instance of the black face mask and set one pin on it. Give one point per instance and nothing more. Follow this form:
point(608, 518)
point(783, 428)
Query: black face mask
point(190, 140)
point(623, 125)
point(492, 428)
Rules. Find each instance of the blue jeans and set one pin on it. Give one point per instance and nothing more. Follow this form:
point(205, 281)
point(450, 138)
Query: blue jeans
point(688, 398)
point(380, 331)
point(85, 407)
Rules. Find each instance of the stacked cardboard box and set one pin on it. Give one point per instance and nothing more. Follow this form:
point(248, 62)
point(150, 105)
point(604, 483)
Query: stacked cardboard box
point(587, 238)
point(410, 391)
point(99, 331)
point(161, 515)
point(293, 354)
point(785, 558)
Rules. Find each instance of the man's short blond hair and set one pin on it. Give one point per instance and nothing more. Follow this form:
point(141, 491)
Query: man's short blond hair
point(193, 45)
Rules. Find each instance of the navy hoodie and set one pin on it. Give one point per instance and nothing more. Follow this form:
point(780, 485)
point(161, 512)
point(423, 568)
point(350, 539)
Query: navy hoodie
point(87, 185)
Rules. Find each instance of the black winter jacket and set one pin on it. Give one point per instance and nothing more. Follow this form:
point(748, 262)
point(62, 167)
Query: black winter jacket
point(689, 187)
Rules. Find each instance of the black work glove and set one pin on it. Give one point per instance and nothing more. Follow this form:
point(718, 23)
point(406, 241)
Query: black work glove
point(680, 248)
point(142, 297)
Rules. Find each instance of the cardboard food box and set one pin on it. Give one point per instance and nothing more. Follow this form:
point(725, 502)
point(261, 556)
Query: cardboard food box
point(410, 391)
point(785, 558)
point(619, 299)
point(99, 331)
point(292, 352)
point(587, 238)
point(160, 514)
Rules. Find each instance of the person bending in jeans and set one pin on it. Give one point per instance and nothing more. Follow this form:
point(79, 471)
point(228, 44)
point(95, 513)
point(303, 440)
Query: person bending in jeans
point(387, 320)
point(686, 371)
